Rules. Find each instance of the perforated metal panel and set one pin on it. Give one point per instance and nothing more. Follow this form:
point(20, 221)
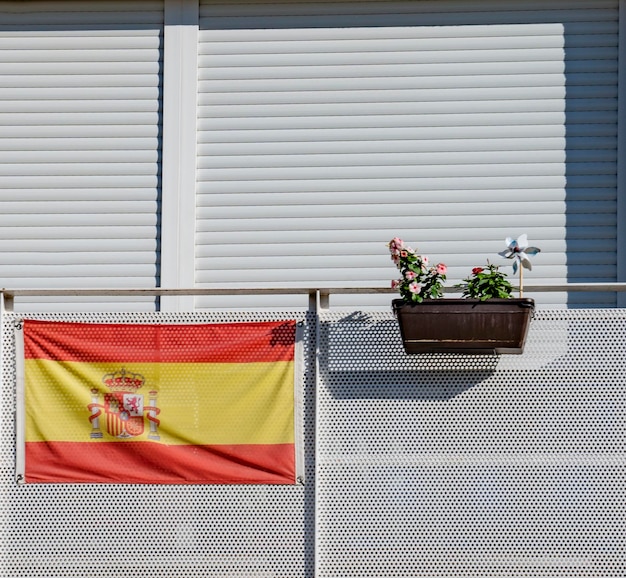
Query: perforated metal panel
point(432, 465)
point(158, 531)
point(440, 465)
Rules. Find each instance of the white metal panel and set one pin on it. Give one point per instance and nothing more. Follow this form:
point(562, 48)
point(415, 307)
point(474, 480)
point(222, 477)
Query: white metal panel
point(161, 531)
point(80, 147)
point(465, 466)
point(324, 127)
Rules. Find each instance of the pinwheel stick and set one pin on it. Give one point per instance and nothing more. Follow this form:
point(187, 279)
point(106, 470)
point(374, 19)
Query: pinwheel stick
point(521, 281)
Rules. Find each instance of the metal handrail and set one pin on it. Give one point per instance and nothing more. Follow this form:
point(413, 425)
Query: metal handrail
point(318, 297)
point(248, 290)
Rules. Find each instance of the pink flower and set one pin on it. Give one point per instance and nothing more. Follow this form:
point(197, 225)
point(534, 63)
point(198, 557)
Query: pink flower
point(395, 283)
point(441, 269)
point(425, 260)
point(395, 245)
point(477, 270)
point(404, 254)
point(410, 275)
point(415, 287)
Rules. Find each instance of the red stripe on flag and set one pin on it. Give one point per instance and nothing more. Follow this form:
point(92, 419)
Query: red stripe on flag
point(153, 463)
point(132, 343)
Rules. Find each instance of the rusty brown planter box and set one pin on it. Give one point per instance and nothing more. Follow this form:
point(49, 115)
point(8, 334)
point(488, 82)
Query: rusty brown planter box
point(464, 325)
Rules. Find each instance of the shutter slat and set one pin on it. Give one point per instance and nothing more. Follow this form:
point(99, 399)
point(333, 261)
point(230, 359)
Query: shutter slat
point(515, 108)
point(28, 260)
point(268, 249)
point(404, 197)
point(576, 145)
point(400, 159)
point(113, 221)
point(529, 169)
point(28, 247)
point(97, 157)
point(134, 234)
point(457, 53)
point(407, 222)
point(326, 73)
point(416, 134)
point(414, 120)
point(588, 94)
point(52, 270)
point(341, 277)
point(465, 38)
point(459, 81)
point(391, 209)
point(457, 263)
point(78, 118)
point(81, 207)
point(583, 27)
point(438, 241)
point(391, 184)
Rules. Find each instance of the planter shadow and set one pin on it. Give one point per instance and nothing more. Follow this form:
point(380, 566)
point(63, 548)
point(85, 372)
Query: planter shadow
point(416, 385)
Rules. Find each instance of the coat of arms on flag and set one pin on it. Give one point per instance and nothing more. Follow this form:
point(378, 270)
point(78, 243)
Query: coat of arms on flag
point(123, 407)
point(159, 403)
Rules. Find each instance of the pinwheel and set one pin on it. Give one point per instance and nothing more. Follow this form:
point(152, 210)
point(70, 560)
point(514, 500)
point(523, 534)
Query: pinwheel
point(519, 251)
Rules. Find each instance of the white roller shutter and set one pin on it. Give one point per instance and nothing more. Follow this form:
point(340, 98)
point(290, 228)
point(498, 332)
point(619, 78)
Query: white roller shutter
point(80, 147)
point(327, 128)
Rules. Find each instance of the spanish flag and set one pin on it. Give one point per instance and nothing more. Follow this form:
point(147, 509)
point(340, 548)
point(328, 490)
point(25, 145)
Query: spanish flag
point(158, 403)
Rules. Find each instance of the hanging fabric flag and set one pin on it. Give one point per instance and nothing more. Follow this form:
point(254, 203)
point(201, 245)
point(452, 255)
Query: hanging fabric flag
point(158, 404)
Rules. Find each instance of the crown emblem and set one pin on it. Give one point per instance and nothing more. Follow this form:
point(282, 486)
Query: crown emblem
point(123, 380)
point(123, 407)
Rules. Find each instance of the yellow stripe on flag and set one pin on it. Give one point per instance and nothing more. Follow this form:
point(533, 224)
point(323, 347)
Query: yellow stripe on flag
point(199, 403)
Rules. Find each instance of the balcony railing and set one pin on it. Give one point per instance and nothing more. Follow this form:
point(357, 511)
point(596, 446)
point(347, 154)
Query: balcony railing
point(319, 297)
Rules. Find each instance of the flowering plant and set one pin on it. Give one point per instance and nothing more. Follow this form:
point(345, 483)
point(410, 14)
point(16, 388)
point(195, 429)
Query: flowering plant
point(486, 283)
point(418, 281)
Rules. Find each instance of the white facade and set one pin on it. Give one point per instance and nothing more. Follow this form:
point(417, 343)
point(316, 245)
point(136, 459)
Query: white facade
point(169, 144)
point(148, 144)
